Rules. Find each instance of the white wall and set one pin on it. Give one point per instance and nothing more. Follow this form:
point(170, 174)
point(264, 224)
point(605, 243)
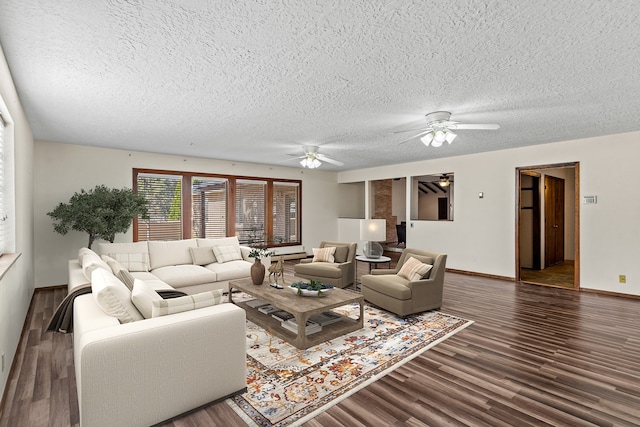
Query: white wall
point(62, 169)
point(481, 238)
point(16, 287)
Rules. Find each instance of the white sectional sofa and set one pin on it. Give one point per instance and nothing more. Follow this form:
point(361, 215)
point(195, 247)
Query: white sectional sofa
point(153, 369)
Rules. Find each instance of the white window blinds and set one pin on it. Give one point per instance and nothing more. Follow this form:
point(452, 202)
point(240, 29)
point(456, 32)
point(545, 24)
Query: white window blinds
point(4, 223)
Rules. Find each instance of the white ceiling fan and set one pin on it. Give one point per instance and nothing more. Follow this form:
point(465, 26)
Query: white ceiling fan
point(439, 129)
point(313, 159)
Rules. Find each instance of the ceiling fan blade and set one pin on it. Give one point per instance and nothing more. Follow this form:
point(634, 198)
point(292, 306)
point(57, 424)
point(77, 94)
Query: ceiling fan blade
point(324, 158)
point(409, 130)
point(414, 136)
point(487, 126)
point(292, 158)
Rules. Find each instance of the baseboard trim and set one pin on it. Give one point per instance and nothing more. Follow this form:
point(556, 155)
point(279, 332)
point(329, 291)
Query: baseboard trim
point(474, 273)
point(610, 293)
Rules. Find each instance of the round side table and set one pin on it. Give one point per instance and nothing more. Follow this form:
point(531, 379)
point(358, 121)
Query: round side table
point(373, 261)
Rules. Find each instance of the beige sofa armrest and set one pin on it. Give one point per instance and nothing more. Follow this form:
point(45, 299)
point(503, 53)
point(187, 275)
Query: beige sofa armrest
point(306, 260)
point(166, 365)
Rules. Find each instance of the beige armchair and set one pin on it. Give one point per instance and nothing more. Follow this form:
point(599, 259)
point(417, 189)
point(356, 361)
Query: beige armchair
point(387, 290)
point(340, 273)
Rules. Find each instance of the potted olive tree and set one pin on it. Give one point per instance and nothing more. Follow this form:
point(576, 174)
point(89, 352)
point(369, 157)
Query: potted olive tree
point(101, 212)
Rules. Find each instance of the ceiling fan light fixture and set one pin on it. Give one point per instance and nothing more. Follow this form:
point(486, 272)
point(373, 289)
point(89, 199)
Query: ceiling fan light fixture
point(310, 162)
point(444, 181)
point(440, 136)
point(450, 136)
point(426, 140)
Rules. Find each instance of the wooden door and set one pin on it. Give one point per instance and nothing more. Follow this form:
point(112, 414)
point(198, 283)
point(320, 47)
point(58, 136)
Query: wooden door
point(553, 220)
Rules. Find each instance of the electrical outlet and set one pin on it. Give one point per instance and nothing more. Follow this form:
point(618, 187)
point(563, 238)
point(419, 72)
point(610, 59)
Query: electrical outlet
point(622, 278)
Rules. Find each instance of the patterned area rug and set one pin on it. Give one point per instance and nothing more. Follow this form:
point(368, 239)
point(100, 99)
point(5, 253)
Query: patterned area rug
point(287, 386)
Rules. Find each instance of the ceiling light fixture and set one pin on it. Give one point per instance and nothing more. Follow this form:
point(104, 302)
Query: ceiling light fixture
point(437, 136)
point(310, 162)
point(444, 181)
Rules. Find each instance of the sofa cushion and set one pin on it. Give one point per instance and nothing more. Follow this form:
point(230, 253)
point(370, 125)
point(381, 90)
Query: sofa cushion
point(391, 285)
point(185, 275)
point(105, 248)
point(170, 252)
point(342, 252)
point(119, 271)
point(320, 269)
point(230, 270)
point(92, 261)
point(132, 261)
point(325, 254)
point(222, 241)
point(227, 253)
point(143, 296)
point(412, 269)
point(163, 307)
point(202, 255)
point(112, 296)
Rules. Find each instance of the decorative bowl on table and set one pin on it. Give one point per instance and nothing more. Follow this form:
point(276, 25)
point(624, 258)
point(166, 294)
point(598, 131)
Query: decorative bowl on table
point(312, 288)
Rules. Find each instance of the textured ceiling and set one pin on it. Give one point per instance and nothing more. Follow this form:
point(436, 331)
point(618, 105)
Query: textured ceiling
point(255, 81)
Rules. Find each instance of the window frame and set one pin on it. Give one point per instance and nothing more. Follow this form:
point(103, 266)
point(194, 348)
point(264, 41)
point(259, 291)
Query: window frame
point(187, 211)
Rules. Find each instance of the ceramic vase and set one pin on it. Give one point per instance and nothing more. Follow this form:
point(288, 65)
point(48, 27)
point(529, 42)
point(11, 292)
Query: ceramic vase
point(257, 272)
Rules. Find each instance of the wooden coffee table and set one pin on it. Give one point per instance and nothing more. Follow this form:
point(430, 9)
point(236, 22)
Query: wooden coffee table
point(301, 307)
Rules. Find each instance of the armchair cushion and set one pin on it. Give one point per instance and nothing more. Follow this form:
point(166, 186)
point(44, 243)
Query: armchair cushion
point(413, 269)
point(320, 269)
point(342, 253)
point(325, 254)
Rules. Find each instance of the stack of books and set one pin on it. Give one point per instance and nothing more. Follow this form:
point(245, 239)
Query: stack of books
point(282, 315)
point(325, 318)
point(292, 325)
point(268, 309)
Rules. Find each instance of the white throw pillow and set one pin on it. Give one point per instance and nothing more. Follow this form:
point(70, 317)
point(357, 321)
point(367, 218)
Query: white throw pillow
point(143, 297)
point(132, 261)
point(227, 253)
point(325, 254)
point(190, 302)
point(413, 269)
point(202, 256)
point(91, 262)
point(113, 296)
point(82, 252)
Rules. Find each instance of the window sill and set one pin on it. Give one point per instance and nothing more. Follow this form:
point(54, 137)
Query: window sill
point(6, 261)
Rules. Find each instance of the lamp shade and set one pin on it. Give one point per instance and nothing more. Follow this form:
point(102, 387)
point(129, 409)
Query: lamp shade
point(374, 230)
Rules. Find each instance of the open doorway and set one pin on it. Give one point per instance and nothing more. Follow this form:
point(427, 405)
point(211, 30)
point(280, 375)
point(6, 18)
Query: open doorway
point(547, 225)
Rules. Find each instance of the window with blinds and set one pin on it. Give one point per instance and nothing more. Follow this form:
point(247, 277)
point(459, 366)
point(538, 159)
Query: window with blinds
point(286, 203)
point(185, 205)
point(164, 203)
point(3, 212)
point(209, 207)
point(7, 207)
point(250, 208)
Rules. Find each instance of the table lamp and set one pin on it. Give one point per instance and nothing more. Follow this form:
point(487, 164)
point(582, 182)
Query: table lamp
point(373, 231)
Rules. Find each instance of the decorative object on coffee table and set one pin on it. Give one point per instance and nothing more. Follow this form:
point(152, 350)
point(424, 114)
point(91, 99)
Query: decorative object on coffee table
point(258, 269)
point(277, 269)
point(312, 289)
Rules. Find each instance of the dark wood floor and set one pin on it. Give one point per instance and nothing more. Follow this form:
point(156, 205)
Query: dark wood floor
point(534, 356)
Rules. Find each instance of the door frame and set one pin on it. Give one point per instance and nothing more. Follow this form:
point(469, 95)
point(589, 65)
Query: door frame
point(576, 232)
